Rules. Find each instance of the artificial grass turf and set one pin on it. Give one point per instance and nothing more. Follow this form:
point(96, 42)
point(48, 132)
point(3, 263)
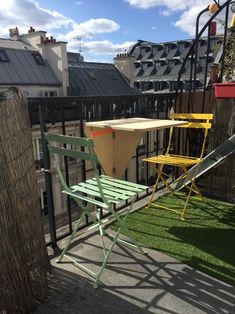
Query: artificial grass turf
point(205, 240)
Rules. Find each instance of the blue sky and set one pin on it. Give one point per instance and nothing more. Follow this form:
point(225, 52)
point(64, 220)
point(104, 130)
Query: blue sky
point(104, 26)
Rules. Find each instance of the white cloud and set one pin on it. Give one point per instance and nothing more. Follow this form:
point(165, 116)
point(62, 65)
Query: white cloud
point(97, 60)
point(102, 47)
point(165, 12)
point(32, 14)
point(91, 27)
point(170, 4)
point(188, 18)
point(189, 10)
point(25, 13)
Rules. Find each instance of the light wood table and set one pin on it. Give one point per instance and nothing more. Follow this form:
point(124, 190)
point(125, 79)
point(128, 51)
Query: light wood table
point(116, 140)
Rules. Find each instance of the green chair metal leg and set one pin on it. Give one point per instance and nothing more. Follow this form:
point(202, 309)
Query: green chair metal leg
point(71, 237)
point(121, 223)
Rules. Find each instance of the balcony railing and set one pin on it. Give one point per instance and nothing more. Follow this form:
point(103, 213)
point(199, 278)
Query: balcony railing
point(67, 115)
point(62, 113)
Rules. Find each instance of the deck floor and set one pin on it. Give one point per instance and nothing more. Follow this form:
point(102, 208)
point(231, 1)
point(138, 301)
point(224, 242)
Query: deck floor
point(132, 283)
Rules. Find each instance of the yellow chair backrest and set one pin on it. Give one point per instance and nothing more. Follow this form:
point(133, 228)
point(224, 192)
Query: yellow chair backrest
point(205, 124)
point(195, 121)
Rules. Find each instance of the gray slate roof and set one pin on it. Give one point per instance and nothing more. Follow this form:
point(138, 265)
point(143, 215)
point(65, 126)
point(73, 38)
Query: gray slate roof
point(22, 69)
point(97, 79)
point(162, 54)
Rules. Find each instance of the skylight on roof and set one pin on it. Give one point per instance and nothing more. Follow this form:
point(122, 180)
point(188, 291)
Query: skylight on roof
point(3, 56)
point(38, 58)
point(92, 75)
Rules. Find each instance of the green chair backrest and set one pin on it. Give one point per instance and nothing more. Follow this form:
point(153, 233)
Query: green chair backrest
point(75, 147)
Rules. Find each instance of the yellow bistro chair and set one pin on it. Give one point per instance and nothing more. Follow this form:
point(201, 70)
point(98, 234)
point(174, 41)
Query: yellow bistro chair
point(196, 121)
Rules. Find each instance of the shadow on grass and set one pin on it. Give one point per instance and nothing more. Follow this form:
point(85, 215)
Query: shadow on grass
point(205, 239)
point(217, 242)
point(229, 217)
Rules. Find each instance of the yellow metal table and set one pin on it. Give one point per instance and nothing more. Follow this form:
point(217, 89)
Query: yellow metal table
point(116, 140)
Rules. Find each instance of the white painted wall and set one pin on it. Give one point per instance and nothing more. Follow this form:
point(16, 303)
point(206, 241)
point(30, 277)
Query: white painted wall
point(125, 64)
point(33, 91)
point(56, 56)
point(54, 52)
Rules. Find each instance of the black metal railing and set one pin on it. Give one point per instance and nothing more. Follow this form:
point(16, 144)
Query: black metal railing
point(58, 113)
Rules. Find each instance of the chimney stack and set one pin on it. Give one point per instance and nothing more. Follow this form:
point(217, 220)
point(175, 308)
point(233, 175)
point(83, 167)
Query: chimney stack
point(14, 32)
point(31, 30)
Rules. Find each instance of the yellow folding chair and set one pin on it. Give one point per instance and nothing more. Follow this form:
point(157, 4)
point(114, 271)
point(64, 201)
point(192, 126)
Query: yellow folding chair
point(200, 121)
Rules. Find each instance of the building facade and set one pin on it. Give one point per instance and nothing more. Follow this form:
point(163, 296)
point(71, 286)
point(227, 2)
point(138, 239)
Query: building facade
point(155, 67)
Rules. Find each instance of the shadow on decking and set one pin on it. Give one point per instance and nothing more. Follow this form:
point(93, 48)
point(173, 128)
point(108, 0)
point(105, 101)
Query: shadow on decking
point(132, 283)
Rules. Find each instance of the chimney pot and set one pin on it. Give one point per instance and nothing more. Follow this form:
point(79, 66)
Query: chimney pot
point(14, 32)
point(213, 28)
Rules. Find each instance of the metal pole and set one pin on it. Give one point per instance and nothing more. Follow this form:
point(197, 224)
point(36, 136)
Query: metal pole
point(66, 168)
point(224, 41)
point(206, 69)
point(48, 180)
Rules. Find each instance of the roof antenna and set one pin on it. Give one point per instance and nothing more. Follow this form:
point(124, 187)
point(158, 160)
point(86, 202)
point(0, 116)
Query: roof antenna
point(79, 39)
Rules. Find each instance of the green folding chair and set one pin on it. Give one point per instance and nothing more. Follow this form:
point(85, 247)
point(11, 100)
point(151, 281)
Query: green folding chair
point(91, 195)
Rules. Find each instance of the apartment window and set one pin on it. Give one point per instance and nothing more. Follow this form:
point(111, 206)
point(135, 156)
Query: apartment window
point(144, 86)
point(38, 153)
point(167, 48)
point(43, 202)
point(25, 93)
point(137, 85)
point(188, 63)
point(181, 47)
point(158, 86)
point(141, 147)
point(51, 93)
point(142, 50)
point(145, 65)
point(171, 64)
point(156, 49)
point(157, 65)
point(72, 147)
point(3, 56)
point(38, 58)
point(92, 75)
point(173, 85)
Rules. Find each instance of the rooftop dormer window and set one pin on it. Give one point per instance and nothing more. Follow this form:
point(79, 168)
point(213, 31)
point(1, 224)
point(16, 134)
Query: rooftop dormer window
point(3, 56)
point(158, 64)
point(171, 64)
point(38, 58)
point(142, 50)
point(181, 47)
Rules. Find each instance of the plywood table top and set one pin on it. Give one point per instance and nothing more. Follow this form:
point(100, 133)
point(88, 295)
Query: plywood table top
point(135, 124)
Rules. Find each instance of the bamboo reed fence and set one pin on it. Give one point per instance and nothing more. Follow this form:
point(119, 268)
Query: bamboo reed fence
point(220, 181)
point(23, 257)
